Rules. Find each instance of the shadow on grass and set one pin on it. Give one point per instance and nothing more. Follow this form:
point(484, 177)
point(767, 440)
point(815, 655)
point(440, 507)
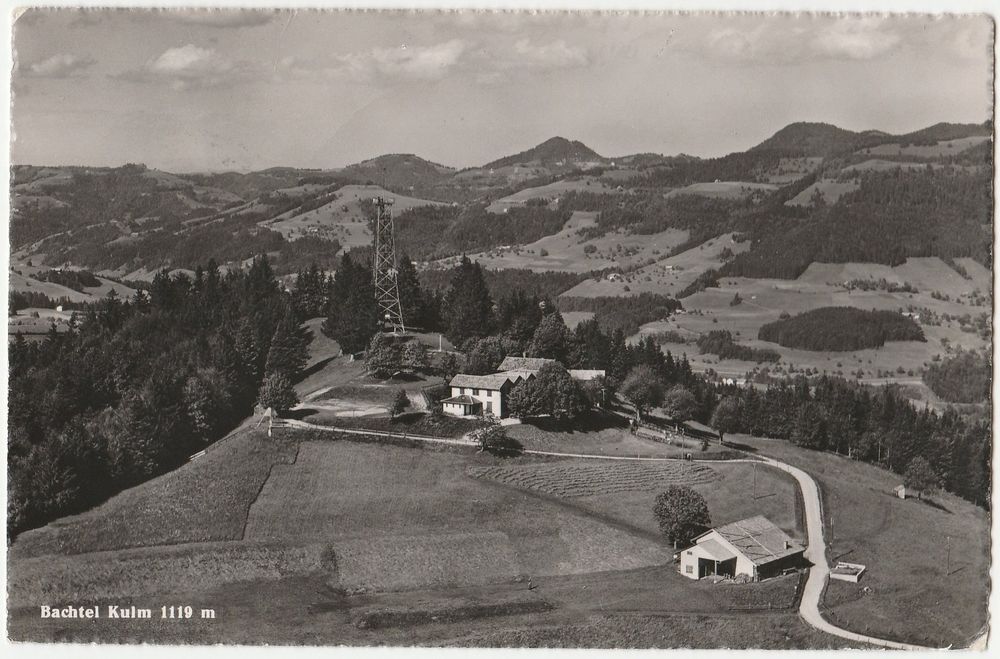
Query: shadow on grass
point(590, 421)
point(298, 414)
point(934, 504)
point(739, 446)
point(315, 368)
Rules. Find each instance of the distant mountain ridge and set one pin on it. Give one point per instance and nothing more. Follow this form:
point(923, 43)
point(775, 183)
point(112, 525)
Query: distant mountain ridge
point(552, 150)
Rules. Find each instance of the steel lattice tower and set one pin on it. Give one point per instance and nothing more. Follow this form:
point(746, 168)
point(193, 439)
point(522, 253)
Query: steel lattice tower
point(384, 272)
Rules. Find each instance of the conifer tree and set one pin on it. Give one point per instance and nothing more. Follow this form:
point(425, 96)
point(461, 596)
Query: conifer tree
point(353, 314)
point(468, 307)
point(289, 349)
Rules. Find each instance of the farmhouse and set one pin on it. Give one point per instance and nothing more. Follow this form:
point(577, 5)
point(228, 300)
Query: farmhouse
point(474, 395)
point(754, 547)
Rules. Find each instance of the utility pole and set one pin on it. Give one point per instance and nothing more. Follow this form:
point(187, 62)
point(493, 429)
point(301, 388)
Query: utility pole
point(947, 562)
point(755, 481)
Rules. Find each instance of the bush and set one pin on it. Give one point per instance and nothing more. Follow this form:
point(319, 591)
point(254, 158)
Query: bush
point(276, 392)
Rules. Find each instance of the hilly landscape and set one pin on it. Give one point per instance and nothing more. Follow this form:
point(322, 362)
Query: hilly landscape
point(820, 302)
point(815, 216)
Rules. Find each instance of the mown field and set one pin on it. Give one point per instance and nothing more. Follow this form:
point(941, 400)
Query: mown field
point(915, 595)
point(348, 529)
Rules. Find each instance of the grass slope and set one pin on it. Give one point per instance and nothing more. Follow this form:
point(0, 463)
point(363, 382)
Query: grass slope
point(204, 500)
point(904, 545)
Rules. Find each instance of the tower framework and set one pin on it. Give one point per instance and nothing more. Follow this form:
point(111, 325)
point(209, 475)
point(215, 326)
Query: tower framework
point(384, 272)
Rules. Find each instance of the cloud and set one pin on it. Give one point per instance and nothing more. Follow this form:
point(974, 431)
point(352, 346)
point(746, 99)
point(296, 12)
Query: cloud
point(62, 65)
point(437, 61)
point(191, 67)
point(417, 63)
point(223, 18)
point(555, 55)
point(785, 41)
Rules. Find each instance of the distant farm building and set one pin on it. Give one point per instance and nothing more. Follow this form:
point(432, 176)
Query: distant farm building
point(900, 491)
point(476, 395)
point(753, 547)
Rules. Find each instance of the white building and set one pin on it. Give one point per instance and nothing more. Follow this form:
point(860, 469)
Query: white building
point(475, 395)
point(754, 547)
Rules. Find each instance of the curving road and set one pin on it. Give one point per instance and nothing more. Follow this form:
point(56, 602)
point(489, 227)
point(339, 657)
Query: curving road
point(815, 552)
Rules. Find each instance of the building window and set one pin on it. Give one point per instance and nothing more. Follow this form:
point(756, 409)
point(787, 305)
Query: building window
point(690, 552)
point(689, 568)
point(489, 407)
point(475, 392)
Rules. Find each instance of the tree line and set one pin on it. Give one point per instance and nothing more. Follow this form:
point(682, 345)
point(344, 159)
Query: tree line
point(625, 313)
point(138, 385)
point(878, 426)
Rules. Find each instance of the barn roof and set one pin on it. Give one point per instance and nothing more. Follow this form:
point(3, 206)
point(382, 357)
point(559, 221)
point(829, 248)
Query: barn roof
point(714, 550)
point(758, 539)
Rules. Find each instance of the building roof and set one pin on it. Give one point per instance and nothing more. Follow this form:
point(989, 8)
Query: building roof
point(758, 539)
point(523, 363)
point(492, 381)
point(715, 550)
point(461, 400)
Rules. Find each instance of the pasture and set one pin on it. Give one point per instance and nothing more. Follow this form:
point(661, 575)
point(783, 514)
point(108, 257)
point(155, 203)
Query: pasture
point(831, 189)
point(938, 150)
point(550, 192)
point(915, 595)
point(668, 276)
point(822, 285)
point(723, 189)
point(568, 251)
point(342, 218)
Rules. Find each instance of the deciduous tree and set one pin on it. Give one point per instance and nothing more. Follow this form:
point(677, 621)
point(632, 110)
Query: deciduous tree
point(682, 513)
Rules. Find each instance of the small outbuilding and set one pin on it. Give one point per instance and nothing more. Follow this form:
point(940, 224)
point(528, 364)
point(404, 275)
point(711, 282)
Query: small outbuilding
point(900, 491)
point(754, 547)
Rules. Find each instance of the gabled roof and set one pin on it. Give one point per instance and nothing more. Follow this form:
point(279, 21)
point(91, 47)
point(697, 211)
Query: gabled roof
point(524, 363)
point(758, 539)
point(715, 550)
point(492, 381)
point(461, 400)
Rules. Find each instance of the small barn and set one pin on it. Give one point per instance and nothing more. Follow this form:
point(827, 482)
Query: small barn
point(754, 547)
point(900, 491)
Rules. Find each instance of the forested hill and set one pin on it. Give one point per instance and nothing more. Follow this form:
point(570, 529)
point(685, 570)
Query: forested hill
point(554, 149)
point(817, 139)
point(811, 192)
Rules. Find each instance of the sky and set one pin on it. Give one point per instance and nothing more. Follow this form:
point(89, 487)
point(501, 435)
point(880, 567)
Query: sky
point(245, 90)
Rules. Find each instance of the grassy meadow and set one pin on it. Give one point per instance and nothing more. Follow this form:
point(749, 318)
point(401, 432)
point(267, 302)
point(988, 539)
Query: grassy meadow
point(915, 595)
